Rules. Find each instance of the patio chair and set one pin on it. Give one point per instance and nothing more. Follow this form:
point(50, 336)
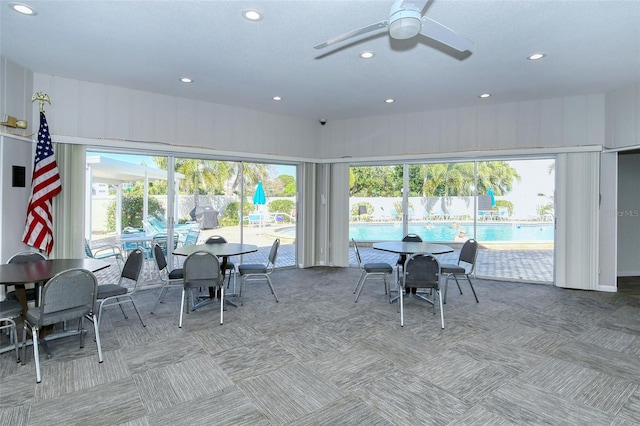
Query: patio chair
point(192, 237)
point(69, 295)
point(104, 251)
point(464, 268)
point(371, 269)
point(201, 270)
point(258, 271)
point(420, 271)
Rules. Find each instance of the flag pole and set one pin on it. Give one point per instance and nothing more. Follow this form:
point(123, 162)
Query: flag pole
point(42, 97)
point(45, 185)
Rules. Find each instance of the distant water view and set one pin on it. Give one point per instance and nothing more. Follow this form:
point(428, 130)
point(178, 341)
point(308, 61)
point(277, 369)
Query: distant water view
point(488, 232)
point(510, 232)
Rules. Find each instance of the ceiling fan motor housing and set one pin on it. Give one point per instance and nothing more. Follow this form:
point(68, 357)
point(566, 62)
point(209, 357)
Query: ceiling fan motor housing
point(405, 23)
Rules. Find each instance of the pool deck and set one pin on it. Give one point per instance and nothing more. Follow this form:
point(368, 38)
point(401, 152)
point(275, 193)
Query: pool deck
point(529, 261)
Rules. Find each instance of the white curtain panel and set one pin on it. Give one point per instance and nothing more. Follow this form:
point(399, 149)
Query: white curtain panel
point(577, 220)
point(69, 205)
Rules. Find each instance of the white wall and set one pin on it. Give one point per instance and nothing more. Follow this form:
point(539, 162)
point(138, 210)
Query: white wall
point(16, 89)
point(560, 122)
point(628, 213)
point(96, 111)
point(623, 117)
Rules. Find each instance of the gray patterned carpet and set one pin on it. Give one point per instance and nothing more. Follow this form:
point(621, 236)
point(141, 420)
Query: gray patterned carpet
point(526, 354)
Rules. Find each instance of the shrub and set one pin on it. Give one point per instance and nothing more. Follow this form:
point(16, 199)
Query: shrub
point(131, 211)
point(281, 206)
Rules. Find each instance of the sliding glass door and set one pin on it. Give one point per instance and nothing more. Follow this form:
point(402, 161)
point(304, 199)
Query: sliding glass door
point(506, 205)
point(138, 194)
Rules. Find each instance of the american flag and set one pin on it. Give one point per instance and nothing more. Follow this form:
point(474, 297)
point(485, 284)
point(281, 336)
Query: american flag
point(45, 185)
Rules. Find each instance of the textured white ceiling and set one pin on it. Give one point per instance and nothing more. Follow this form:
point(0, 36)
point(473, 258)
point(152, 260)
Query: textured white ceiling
point(592, 46)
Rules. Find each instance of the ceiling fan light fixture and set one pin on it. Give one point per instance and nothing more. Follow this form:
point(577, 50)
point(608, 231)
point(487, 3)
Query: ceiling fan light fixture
point(405, 24)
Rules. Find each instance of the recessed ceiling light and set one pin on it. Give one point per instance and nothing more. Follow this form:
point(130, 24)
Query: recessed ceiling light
point(186, 80)
point(367, 54)
point(536, 56)
point(277, 98)
point(389, 101)
point(485, 95)
point(252, 15)
point(23, 9)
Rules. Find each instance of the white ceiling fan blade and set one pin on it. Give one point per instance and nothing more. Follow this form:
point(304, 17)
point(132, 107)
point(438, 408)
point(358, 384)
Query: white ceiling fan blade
point(354, 33)
point(444, 35)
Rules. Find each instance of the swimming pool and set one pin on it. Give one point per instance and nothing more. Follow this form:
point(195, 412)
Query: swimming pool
point(498, 232)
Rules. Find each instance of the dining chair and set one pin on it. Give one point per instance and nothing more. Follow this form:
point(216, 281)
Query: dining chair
point(201, 270)
point(421, 271)
point(463, 269)
point(258, 271)
point(382, 269)
point(169, 278)
point(10, 311)
point(402, 258)
point(123, 291)
point(230, 266)
point(20, 292)
point(68, 295)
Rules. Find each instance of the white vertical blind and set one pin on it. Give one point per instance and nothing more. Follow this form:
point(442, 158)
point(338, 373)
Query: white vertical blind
point(339, 215)
point(307, 215)
point(68, 206)
point(577, 220)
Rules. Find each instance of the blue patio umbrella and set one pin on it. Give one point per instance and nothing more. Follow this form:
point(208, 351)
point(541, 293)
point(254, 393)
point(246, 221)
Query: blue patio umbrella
point(258, 196)
point(493, 198)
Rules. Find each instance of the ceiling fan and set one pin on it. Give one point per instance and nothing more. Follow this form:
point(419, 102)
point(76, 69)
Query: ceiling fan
point(406, 21)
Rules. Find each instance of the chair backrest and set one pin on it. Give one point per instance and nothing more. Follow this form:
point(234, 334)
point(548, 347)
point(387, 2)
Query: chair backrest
point(87, 249)
point(414, 238)
point(192, 237)
point(70, 294)
point(273, 254)
point(133, 266)
point(158, 255)
point(202, 269)
point(469, 252)
point(215, 239)
point(27, 256)
point(355, 248)
point(421, 270)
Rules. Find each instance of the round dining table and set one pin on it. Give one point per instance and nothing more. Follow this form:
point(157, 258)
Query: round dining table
point(411, 247)
point(223, 250)
point(43, 270)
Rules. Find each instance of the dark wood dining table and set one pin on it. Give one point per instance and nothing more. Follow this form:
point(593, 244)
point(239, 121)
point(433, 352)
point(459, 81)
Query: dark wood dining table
point(41, 271)
point(223, 250)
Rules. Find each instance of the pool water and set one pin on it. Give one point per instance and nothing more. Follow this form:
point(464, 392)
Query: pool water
point(448, 231)
point(499, 232)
